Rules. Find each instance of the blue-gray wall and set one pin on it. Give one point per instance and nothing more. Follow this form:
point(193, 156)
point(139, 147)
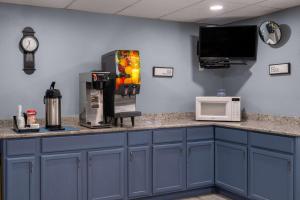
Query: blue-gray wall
point(279, 95)
point(72, 42)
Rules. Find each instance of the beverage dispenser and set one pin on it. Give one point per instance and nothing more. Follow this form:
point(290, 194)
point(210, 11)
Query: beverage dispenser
point(91, 86)
point(120, 93)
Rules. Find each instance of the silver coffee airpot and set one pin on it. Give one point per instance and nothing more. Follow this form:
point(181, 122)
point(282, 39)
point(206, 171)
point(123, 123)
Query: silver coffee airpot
point(52, 101)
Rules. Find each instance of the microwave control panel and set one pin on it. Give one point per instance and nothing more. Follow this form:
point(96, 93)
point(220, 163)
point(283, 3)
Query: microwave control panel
point(236, 109)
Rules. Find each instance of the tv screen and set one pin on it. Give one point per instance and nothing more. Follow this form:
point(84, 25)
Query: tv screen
point(238, 42)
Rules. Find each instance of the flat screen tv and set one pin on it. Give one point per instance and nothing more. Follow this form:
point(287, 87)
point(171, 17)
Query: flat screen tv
point(238, 42)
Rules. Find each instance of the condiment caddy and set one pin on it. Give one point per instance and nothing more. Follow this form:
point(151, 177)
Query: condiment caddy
point(25, 122)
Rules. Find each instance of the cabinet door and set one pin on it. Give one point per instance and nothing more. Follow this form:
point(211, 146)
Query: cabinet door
point(169, 166)
point(106, 174)
point(61, 177)
point(20, 178)
point(231, 167)
point(271, 175)
point(139, 171)
point(200, 164)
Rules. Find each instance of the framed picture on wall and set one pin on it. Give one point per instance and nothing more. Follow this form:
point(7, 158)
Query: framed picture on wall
point(280, 69)
point(166, 72)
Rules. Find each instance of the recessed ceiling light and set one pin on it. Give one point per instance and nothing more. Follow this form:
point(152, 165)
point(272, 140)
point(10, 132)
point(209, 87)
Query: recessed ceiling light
point(216, 7)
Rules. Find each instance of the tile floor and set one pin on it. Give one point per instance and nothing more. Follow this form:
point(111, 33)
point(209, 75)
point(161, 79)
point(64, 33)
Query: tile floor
point(208, 197)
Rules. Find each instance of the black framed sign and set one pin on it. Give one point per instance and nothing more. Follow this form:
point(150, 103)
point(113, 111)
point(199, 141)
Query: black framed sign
point(280, 69)
point(167, 72)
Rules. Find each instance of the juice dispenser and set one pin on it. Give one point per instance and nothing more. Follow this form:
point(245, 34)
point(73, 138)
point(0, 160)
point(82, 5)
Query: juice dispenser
point(120, 94)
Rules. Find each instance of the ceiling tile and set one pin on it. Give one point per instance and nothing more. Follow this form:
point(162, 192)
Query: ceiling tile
point(101, 6)
point(239, 14)
point(220, 20)
point(41, 3)
point(246, 1)
point(249, 11)
point(201, 11)
point(282, 4)
point(156, 8)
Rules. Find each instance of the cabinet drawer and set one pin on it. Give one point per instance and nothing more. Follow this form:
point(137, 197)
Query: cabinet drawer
point(169, 135)
point(139, 138)
point(83, 142)
point(274, 142)
point(200, 133)
point(21, 146)
point(231, 135)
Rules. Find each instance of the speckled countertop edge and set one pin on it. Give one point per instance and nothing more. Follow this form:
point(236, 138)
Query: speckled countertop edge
point(8, 133)
point(258, 123)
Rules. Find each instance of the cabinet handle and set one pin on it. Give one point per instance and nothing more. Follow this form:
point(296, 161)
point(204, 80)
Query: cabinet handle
point(189, 151)
point(90, 161)
point(30, 167)
point(78, 163)
point(289, 166)
point(181, 150)
point(131, 156)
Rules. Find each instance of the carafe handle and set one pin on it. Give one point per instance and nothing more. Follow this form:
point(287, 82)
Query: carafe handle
point(52, 85)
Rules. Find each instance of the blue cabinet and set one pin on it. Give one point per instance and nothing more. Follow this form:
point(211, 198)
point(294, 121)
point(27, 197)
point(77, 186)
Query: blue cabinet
point(61, 177)
point(20, 178)
point(200, 164)
point(141, 164)
point(231, 167)
point(271, 175)
point(106, 174)
point(139, 171)
point(169, 168)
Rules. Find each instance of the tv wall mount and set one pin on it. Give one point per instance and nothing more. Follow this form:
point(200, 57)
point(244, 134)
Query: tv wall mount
point(218, 63)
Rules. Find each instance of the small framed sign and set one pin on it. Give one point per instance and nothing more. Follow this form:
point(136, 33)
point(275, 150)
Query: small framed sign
point(163, 72)
point(280, 69)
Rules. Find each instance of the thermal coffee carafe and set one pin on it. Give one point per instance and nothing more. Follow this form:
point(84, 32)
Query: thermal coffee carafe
point(52, 101)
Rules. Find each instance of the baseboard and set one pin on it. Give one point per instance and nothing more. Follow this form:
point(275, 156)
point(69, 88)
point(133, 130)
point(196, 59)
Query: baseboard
point(193, 193)
point(183, 194)
point(229, 194)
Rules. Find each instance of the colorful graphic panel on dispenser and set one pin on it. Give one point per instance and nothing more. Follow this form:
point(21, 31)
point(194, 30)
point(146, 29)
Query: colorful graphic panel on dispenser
point(128, 67)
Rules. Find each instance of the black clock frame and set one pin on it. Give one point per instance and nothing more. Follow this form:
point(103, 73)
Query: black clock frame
point(29, 60)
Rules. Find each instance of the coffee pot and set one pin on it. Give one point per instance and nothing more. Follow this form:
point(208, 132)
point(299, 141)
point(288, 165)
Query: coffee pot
point(52, 101)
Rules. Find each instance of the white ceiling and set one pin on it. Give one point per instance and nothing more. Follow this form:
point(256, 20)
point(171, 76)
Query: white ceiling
point(174, 10)
point(41, 3)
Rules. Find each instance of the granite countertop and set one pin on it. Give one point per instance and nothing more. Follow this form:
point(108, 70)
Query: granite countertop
point(280, 126)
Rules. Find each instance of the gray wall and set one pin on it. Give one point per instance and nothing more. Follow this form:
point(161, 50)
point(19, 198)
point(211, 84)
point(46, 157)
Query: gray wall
point(72, 42)
point(279, 95)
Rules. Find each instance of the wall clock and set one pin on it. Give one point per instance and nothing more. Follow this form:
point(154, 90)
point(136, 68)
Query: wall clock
point(29, 44)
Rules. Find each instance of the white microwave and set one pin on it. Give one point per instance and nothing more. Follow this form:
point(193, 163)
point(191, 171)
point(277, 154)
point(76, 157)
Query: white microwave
point(218, 108)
